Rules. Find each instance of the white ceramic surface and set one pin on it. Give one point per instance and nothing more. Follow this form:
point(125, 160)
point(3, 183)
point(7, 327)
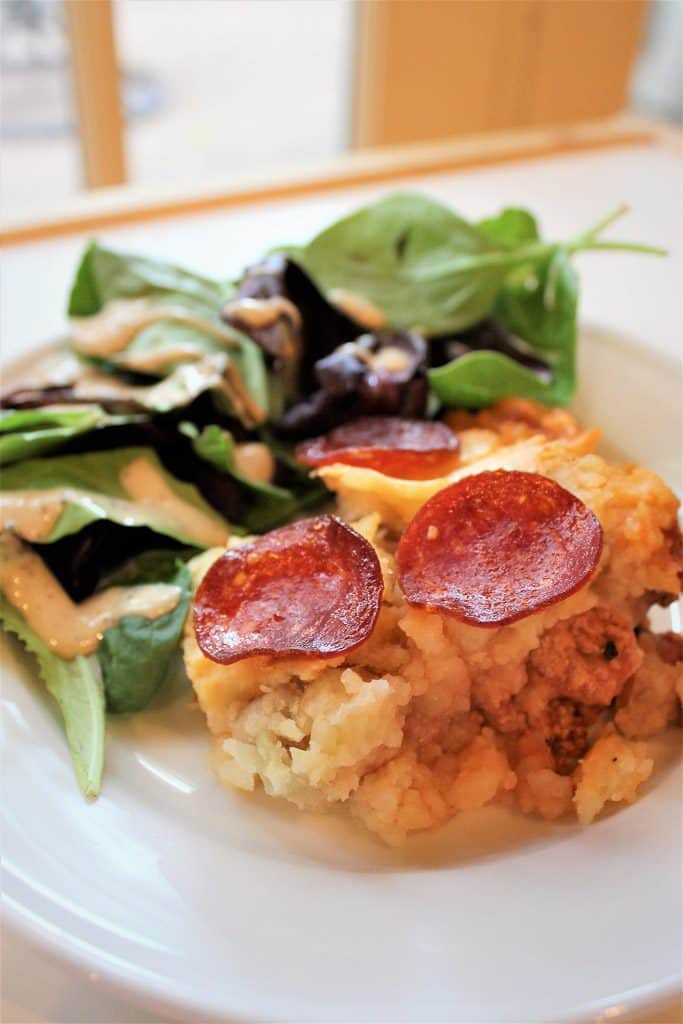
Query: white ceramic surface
point(172, 899)
point(212, 906)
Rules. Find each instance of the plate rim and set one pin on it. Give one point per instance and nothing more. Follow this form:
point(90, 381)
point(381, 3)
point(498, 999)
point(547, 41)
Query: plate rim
point(131, 983)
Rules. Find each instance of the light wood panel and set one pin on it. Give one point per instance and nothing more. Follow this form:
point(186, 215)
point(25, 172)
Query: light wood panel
point(434, 68)
point(97, 92)
point(111, 207)
point(585, 52)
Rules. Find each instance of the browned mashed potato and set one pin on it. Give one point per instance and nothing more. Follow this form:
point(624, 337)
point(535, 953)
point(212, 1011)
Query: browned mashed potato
point(430, 716)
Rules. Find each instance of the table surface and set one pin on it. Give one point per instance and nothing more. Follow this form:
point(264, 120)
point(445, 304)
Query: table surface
point(636, 296)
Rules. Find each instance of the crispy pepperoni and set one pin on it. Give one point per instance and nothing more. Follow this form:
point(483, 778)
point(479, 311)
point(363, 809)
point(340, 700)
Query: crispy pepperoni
point(409, 449)
point(310, 589)
point(496, 547)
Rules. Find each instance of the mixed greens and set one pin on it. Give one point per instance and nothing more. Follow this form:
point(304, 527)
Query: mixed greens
point(402, 308)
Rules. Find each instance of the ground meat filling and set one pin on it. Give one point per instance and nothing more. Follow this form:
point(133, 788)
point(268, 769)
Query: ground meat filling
point(649, 701)
point(588, 658)
point(669, 647)
point(571, 729)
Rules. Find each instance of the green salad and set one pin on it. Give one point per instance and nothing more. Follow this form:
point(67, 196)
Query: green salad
point(169, 422)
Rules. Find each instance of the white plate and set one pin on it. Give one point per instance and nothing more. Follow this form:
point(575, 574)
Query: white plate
point(207, 905)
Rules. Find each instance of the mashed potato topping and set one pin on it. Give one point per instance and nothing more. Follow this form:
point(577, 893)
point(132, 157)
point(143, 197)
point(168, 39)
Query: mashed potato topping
point(430, 716)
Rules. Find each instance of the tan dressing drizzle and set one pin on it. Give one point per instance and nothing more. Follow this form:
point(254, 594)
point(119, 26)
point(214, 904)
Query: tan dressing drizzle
point(359, 309)
point(114, 327)
point(392, 359)
point(182, 385)
point(67, 628)
point(142, 481)
point(255, 461)
point(262, 312)
point(158, 359)
point(34, 514)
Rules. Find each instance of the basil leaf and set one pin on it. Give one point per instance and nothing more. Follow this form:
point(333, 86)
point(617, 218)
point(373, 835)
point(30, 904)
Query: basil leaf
point(136, 654)
point(511, 227)
point(25, 433)
point(538, 304)
point(94, 491)
point(412, 258)
point(77, 687)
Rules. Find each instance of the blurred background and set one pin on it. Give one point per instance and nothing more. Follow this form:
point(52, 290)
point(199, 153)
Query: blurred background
point(97, 93)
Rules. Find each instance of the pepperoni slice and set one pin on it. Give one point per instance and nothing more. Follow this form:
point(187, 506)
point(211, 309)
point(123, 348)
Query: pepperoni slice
point(310, 589)
point(408, 449)
point(496, 547)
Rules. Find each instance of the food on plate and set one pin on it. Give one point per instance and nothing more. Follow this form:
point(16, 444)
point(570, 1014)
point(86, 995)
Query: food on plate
point(310, 590)
point(404, 580)
point(527, 687)
point(395, 446)
point(496, 546)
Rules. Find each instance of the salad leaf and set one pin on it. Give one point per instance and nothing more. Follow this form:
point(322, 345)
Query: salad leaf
point(165, 345)
point(84, 561)
point(511, 227)
point(182, 386)
point(135, 655)
point(540, 307)
point(264, 505)
point(28, 432)
point(188, 352)
point(292, 348)
point(412, 258)
point(94, 491)
point(77, 687)
point(104, 274)
point(427, 268)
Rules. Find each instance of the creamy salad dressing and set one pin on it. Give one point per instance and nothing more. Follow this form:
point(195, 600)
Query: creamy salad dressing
point(254, 460)
point(359, 309)
point(181, 386)
point(149, 490)
point(392, 359)
point(67, 628)
point(157, 360)
point(213, 370)
point(117, 323)
point(262, 312)
point(33, 514)
point(56, 369)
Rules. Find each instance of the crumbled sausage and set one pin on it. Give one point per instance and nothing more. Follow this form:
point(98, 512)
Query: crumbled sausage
point(649, 702)
point(669, 647)
point(569, 727)
point(587, 658)
point(515, 419)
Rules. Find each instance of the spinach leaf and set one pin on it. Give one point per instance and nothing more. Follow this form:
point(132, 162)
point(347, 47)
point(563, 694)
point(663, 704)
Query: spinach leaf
point(539, 305)
point(104, 274)
point(426, 267)
point(166, 345)
point(77, 687)
point(414, 259)
point(511, 227)
point(93, 490)
point(28, 432)
point(135, 655)
point(264, 505)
